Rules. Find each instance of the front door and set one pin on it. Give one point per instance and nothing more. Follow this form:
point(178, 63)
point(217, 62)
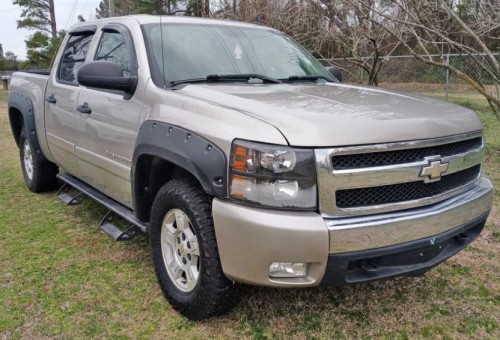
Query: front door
point(106, 135)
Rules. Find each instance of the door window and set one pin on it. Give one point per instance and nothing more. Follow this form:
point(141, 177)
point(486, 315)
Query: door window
point(113, 47)
point(73, 57)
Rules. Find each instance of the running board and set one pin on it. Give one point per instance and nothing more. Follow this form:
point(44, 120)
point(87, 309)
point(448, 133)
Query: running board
point(113, 206)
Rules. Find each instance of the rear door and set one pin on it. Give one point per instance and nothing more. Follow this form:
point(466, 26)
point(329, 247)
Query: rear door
point(61, 98)
point(106, 136)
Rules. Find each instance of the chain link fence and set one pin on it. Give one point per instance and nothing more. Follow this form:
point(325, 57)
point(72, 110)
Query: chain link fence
point(410, 74)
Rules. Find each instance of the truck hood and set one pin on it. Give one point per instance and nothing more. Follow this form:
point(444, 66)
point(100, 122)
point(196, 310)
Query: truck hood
point(333, 114)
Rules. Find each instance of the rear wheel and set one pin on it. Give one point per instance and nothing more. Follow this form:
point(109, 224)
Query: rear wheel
point(39, 175)
point(184, 252)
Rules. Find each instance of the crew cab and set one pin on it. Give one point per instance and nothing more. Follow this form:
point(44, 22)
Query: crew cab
point(245, 160)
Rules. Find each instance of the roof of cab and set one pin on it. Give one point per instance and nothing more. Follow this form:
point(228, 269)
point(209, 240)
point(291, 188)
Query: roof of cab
point(166, 19)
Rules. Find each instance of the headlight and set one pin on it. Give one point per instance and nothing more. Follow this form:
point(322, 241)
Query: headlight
point(273, 175)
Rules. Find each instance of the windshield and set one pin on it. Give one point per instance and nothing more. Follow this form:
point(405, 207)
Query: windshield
point(197, 51)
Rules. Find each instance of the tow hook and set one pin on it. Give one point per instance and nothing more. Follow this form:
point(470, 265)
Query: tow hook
point(368, 266)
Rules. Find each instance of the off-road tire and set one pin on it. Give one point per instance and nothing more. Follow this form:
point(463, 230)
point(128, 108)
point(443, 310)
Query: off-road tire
point(39, 175)
point(213, 294)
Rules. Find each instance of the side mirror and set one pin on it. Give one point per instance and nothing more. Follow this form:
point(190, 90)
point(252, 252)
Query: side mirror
point(335, 72)
point(105, 75)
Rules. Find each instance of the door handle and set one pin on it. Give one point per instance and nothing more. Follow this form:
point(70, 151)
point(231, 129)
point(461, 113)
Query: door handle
point(51, 99)
point(84, 108)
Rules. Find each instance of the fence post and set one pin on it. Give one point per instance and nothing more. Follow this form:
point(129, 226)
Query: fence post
point(447, 86)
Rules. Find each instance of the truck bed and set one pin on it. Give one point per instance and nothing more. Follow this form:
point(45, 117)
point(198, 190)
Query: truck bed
point(33, 86)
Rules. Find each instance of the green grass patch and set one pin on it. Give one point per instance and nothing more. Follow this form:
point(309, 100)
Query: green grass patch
point(3, 96)
point(61, 277)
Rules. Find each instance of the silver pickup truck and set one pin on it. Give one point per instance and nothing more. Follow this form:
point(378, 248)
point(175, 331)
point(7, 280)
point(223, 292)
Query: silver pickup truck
point(245, 160)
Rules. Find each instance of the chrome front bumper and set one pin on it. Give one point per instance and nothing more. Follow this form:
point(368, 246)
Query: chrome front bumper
point(250, 239)
point(376, 231)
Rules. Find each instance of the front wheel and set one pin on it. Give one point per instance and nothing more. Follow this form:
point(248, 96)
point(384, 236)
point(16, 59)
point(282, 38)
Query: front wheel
point(184, 252)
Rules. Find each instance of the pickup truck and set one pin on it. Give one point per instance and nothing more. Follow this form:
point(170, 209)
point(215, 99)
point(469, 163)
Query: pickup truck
point(245, 160)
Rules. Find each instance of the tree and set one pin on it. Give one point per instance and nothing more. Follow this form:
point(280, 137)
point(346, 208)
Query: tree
point(8, 62)
point(37, 50)
point(430, 29)
point(38, 15)
point(327, 28)
point(122, 7)
point(346, 31)
point(41, 50)
point(199, 8)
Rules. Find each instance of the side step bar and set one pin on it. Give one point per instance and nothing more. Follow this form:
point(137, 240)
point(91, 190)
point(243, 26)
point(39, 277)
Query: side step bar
point(67, 197)
point(114, 207)
point(115, 232)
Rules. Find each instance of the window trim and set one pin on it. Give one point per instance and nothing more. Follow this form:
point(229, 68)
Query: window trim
point(129, 42)
point(82, 32)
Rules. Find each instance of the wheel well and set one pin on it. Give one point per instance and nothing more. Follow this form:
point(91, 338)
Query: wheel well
point(16, 123)
point(151, 174)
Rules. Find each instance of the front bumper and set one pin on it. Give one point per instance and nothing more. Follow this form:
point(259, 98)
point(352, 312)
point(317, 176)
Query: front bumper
point(410, 258)
point(346, 250)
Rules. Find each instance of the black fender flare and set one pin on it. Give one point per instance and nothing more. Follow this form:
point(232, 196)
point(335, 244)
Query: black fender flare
point(190, 151)
point(23, 104)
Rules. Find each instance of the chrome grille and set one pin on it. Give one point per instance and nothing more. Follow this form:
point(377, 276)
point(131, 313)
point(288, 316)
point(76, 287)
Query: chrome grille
point(365, 160)
point(372, 179)
point(405, 191)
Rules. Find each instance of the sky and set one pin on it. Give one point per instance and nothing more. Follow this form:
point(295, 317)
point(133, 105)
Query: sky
point(12, 38)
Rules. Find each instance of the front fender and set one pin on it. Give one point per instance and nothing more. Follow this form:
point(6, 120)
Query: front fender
point(195, 154)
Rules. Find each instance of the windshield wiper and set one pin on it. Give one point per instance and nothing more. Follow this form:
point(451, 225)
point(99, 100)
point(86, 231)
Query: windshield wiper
point(185, 81)
point(227, 77)
point(231, 77)
point(307, 78)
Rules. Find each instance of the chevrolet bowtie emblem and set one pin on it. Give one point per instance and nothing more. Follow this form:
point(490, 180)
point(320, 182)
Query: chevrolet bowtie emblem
point(434, 170)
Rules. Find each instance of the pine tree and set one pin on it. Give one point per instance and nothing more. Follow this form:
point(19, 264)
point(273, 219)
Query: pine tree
point(37, 15)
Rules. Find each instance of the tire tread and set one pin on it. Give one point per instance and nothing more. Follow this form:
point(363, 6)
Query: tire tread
point(216, 295)
point(44, 172)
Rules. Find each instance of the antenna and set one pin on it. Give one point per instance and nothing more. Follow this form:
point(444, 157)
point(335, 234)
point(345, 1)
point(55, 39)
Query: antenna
point(162, 56)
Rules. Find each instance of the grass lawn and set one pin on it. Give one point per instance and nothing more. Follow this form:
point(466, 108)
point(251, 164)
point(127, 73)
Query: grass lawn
point(62, 277)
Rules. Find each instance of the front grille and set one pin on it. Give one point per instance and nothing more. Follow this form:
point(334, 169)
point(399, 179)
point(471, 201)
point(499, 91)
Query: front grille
point(365, 160)
point(352, 198)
